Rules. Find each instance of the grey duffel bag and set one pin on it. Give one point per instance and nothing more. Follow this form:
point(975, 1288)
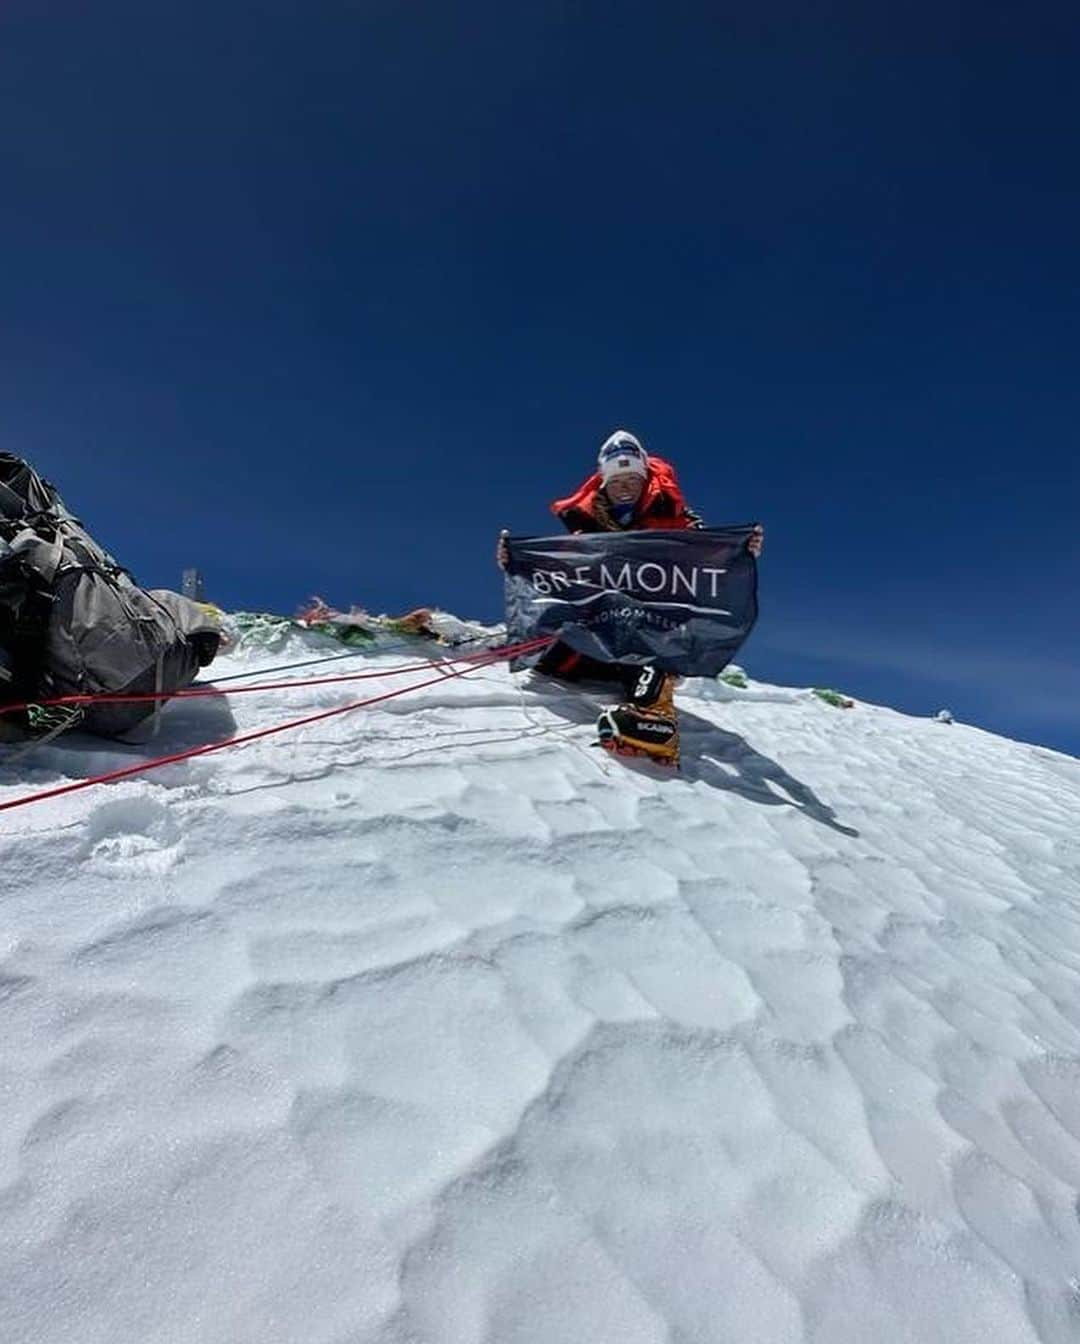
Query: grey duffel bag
point(74, 622)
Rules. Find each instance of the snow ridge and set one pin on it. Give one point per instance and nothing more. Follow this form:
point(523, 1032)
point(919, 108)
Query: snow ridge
point(432, 1024)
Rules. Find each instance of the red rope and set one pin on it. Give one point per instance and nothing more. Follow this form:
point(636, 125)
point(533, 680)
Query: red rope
point(201, 692)
point(191, 753)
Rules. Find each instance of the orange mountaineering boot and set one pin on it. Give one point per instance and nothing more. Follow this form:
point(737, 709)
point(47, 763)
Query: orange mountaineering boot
point(647, 724)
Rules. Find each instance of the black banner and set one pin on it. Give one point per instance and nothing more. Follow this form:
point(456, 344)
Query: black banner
point(682, 600)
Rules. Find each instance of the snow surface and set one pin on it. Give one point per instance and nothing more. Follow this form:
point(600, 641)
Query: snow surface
point(432, 1024)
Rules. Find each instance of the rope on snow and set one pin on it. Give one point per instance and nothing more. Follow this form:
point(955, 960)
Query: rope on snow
point(142, 767)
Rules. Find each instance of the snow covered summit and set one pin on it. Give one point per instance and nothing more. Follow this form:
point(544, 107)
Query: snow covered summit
point(432, 1025)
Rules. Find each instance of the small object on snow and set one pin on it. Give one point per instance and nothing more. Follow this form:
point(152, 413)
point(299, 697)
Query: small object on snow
point(350, 627)
point(449, 629)
point(193, 585)
point(733, 675)
point(834, 698)
point(260, 630)
point(416, 622)
point(944, 716)
point(357, 626)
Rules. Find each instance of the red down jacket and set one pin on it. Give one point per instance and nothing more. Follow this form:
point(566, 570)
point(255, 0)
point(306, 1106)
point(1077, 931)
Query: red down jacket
point(661, 504)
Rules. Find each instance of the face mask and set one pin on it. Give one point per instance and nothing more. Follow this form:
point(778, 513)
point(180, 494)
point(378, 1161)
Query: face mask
point(622, 513)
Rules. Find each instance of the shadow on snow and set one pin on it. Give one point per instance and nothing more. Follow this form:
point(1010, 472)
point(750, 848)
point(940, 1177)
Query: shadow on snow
point(711, 756)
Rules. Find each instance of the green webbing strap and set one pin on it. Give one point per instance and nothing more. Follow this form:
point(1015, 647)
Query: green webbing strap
point(52, 718)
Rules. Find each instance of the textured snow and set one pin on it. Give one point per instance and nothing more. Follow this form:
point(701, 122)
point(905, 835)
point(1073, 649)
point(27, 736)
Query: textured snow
point(431, 1024)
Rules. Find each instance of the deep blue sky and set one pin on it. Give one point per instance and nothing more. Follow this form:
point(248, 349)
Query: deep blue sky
point(319, 295)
